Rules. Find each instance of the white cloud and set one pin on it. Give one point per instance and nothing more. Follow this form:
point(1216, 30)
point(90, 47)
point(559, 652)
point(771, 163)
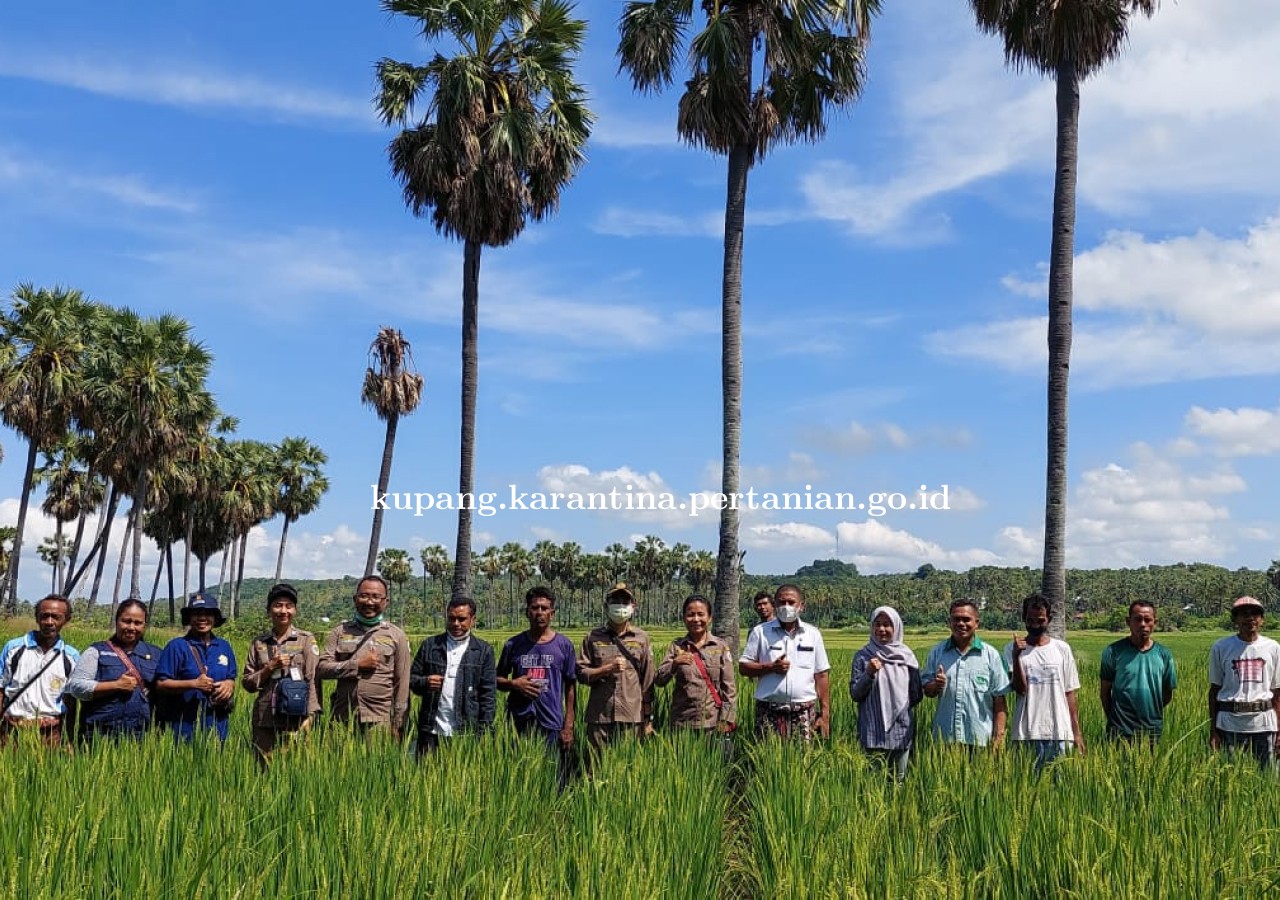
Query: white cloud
point(857, 439)
point(961, 499)
point(1237, 432)
point(1149, 311)
point(21, 172)
point(875, 547)
point(1152, 511)
point(1181, 113)
point(781, 536)
point(185, 85)
point(289, 272)
point(622, 222)
point(623, 487)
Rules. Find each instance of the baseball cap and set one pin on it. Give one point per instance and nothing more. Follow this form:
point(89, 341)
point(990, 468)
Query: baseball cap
point(1248, 603)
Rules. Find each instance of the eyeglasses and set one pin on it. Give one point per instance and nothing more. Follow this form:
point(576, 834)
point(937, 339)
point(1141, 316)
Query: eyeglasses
point(371, 596)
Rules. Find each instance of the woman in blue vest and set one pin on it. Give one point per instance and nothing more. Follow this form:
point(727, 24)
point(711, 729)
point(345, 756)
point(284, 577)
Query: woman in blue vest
point(114, 678)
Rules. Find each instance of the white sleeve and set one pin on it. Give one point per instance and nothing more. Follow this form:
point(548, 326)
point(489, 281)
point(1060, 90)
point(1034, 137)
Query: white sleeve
point(1215, 665)
point(1070, 676)
point(820, 663)
point(752, 650)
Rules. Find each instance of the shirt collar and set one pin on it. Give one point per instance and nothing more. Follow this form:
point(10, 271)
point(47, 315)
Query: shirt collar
point(975, 644)
point(800, 627)
point(454, 642)
point(34, 645)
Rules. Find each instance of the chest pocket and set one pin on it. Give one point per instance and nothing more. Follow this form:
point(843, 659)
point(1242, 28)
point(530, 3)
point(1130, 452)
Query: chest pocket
point(805, 656)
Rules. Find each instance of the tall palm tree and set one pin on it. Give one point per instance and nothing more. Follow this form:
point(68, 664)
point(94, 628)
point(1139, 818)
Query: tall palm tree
point(248, 499)
point(491, 135)
point(301, 483)
point(148, 398)
point(735, 103)
point(46, 332)
point(436, 565)
point(393, 388)
point(396, 566)
point(1068, 40)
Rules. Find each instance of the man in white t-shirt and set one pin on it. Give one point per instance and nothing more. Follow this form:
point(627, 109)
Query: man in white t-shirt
point(1042, 672)
point(1244, 686)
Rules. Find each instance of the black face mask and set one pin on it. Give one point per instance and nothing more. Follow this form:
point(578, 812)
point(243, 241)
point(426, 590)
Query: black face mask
point(1036, 633)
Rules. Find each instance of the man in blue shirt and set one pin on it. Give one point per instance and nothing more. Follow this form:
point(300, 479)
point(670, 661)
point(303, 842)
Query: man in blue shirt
point(969, 679)
point(196, 675)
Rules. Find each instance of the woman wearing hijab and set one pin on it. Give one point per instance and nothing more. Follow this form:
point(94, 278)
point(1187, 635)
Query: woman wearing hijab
point(113, 679)
point(886, 686)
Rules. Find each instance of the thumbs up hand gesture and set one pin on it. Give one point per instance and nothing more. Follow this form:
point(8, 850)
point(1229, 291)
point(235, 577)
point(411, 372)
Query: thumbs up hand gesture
point(940, 678)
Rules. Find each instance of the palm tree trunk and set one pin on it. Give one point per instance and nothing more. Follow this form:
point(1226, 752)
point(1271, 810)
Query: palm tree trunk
point(155, 585)
point(186, 559)
point(75, 548)
point(11, 593)
point(104, 541)
point(124, 554)
point(384, 478)
point(139, 503)
point(58, 561)
point(1061, 258)
point(168, 556)
point(222, 569)
point(99, 541)
point(284, 536)
point(470, 380)
point(727, 570)
point(244, 546)
point(204, 560)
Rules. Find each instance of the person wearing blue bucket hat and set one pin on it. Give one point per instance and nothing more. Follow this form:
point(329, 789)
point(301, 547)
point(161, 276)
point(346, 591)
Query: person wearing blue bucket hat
point(196, 675)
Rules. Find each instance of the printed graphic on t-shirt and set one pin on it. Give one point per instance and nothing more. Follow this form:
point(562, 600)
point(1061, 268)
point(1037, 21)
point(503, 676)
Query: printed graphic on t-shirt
point(1249, 671)
point(1041, 674)
point(536, 667)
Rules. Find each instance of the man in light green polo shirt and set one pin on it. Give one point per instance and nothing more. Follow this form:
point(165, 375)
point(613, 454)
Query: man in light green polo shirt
point(968, 677)
point(1137, 678)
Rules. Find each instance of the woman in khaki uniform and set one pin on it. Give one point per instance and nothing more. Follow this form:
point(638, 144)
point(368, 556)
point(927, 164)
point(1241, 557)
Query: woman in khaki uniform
point(281, 670)
point(705, 697)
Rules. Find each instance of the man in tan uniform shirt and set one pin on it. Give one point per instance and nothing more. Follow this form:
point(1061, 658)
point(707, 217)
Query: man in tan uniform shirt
point(369, 658)
point(617, 662)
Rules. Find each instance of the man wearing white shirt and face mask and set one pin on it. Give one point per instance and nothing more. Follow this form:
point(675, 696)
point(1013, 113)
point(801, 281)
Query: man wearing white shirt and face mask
point(455, 675)
point(793, 695)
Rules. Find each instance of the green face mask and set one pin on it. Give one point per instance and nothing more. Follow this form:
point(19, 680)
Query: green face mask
point(374, 620)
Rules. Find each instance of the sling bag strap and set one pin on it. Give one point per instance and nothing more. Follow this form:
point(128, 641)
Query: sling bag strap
point(635, 663)
point(22, 690)
point(133, 670)
point(204, 670)
point(701, 665)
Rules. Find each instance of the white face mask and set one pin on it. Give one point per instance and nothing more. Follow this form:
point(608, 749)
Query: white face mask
point(787, 613)
point(619, 612)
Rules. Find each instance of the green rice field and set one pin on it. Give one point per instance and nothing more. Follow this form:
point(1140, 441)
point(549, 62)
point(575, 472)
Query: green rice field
point(666, 818)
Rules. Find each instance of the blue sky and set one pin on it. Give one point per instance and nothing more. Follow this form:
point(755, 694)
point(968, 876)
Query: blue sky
point(224, 163)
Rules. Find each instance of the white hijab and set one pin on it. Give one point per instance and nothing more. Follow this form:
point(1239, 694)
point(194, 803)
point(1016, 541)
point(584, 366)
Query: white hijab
point(897, 661)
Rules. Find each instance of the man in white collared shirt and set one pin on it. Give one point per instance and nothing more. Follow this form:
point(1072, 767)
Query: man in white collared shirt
point(787, 656)
point(33, 671)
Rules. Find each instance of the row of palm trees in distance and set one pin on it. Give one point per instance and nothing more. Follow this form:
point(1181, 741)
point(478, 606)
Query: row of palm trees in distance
point(659, 575)
point(114, 405)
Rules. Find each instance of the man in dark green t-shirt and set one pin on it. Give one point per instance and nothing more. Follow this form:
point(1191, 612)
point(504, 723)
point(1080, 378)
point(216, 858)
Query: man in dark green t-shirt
point(1137, 678)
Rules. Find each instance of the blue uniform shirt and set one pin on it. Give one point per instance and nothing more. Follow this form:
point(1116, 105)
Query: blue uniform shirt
point(192, 709)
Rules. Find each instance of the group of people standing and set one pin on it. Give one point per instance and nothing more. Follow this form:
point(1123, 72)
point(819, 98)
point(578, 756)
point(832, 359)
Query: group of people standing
point(124, 684)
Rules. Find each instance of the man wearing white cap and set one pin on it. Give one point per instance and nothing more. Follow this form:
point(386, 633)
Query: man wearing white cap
point(1244, 686)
